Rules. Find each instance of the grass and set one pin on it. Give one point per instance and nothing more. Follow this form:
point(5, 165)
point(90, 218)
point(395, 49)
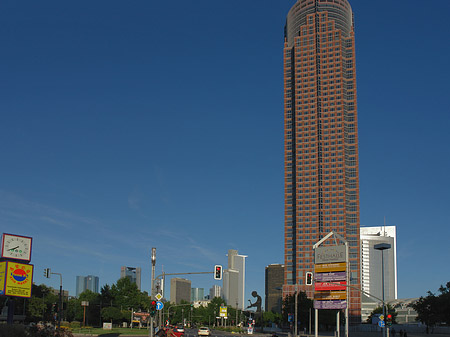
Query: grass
point(112, 332)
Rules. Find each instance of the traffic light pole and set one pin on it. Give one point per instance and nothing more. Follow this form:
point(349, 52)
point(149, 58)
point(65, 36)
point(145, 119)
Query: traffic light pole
point(152, 291)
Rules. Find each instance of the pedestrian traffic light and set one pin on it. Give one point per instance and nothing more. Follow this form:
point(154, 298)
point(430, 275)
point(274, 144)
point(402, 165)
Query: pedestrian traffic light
point(153, 308)
point(309, 278)
point(389, 319)
point(217, 272)
point(47, 272)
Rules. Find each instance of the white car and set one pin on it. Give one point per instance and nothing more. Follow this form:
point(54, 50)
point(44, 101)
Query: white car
point(204, 331)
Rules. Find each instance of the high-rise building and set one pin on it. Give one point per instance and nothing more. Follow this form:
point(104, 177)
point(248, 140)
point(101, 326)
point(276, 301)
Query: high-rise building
point(134, 274)
point(180, 290)
point(371, 264)
point(87, 282)
point(234, 280)
point(197, 294)
point(274, 284)
point(215, 291)
point(321, 139)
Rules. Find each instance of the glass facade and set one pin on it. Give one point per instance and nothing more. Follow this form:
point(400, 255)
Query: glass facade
point(321, 139)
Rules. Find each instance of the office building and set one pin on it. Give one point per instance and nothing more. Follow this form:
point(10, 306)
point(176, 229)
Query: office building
point(234, 280)
point(89, 282)
point(371, 264)
point(134, 274)
point(197, 294)
point(180, 290)
point(274, 285)
point(215, 291)
point(321, 139)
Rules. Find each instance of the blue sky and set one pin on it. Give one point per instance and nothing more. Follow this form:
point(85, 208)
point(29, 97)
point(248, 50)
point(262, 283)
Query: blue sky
point(127, 125)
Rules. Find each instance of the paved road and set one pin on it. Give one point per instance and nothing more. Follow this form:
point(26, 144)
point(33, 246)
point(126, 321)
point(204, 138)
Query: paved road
point(193, 333)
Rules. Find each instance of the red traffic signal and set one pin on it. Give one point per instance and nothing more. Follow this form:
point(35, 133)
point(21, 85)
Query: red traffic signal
point(309, 278)
point(153, 308)
point(389, 319)
point(217, 272)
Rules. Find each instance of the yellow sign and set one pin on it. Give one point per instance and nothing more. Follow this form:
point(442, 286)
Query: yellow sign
point(19, 279)
point(331, 295)
point(2, 277)
point(223, 312)
point(330, 267)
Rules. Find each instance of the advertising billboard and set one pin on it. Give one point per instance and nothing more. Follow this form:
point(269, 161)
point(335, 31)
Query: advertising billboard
point(16, 279)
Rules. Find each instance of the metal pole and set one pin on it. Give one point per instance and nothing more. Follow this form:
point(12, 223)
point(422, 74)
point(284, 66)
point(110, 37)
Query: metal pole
point(10, 317)
point(153, 259)
point(337, 324)
point(295, 320)
point(309, 320)
point(348, 289)
point(382, 285)
point(316, 323)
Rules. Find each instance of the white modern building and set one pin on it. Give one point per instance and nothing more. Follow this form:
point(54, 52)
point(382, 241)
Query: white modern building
point(234, 280)
point(215, 291)
point(371, 267)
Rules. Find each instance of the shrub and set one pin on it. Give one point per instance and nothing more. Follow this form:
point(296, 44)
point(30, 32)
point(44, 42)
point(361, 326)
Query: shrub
point(12, 331)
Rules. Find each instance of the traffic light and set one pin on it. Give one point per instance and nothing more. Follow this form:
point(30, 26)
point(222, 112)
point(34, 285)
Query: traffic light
point(153, 308)
point(309, 278)
point(217, 272)
point(47, 272)
point(389, 320)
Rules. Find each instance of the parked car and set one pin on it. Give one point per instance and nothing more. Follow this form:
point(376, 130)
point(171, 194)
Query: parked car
point(204, 331)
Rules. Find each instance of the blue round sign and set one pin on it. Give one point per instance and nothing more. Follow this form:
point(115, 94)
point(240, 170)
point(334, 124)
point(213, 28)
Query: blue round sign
point(159, 305)
point(381, 324)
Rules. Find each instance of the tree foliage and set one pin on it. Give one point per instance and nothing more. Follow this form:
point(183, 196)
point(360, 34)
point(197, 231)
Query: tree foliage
point(434, 309)
point(379, 310)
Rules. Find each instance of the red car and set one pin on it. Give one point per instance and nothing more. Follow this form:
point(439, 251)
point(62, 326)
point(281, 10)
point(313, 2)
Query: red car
point(177, 331)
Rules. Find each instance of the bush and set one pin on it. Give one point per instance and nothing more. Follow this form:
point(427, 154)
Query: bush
point(12, 331)
point(75, 325)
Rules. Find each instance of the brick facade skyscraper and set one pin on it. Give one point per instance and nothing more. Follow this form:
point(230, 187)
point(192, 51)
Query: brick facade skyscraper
point(321, 139)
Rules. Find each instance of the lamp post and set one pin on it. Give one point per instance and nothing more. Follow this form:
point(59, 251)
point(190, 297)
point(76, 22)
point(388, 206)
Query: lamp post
point(152, 290)
point(382, 247)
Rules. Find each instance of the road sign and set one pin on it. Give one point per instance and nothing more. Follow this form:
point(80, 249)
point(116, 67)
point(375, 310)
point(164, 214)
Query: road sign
point(381, 324)
point(159, 305)
point(158, 296)
point(381, 317)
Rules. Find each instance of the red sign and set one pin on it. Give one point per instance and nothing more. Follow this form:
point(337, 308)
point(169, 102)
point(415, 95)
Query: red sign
point(338, 285)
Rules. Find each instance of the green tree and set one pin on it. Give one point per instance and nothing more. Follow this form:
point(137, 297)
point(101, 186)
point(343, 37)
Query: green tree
point(379, 310)
point(112, 314)
point(304, 304)
point(433, 309)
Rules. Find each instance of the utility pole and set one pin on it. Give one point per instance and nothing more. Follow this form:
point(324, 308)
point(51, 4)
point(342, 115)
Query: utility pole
point(152, 290)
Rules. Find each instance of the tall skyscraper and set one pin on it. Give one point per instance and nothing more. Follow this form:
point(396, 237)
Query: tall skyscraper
point(321, 139)
point(134, 274)
point(234, 280)
point(274, 284)
point(215, 291)
point(371, 263)
point(87, 282)
point(180, 290)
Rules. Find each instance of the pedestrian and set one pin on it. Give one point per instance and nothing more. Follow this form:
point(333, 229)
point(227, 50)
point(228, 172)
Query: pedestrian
point(401, 333)
point(405, 334)
point(393, 332)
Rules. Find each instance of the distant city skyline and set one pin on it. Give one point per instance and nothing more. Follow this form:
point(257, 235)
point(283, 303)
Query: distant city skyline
point(117, 137)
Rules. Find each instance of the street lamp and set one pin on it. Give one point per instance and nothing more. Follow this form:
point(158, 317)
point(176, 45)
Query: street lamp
point(382, 247)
